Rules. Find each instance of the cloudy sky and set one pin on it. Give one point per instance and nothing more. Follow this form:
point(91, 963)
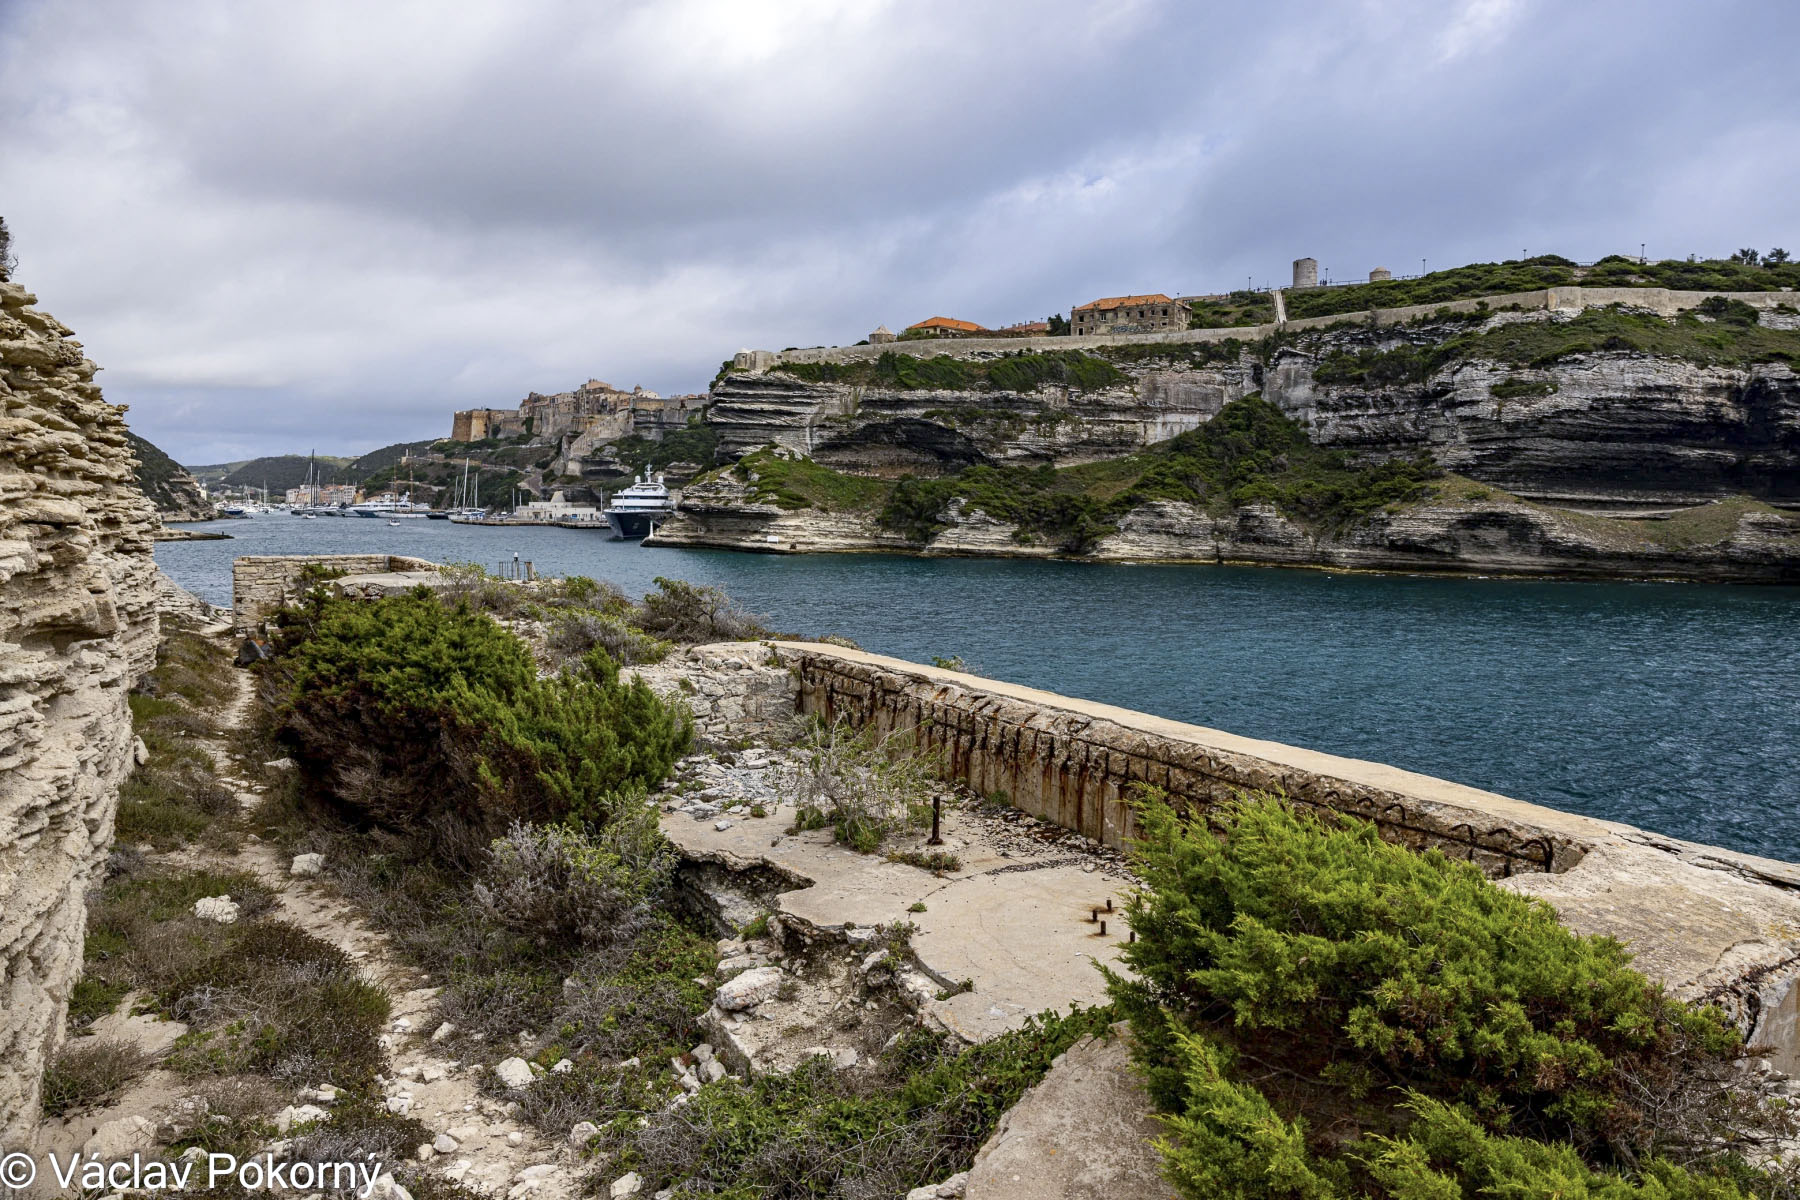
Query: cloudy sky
point(287, 226)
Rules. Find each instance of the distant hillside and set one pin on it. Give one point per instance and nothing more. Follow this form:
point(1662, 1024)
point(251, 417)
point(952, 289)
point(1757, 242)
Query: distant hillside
point(279, 472)
point(360, 469)
point(170, 487)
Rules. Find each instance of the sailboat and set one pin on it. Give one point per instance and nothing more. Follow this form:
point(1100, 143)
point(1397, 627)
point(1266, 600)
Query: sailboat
point(468, 498)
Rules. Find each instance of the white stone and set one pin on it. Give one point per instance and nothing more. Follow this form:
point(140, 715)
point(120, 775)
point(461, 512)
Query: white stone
point(721, 826)
point(291, 1116)
point(562, 1067)
point(305, 866)
point(953, 1187)
point(703, 1052)
point(442, 1031)
point(626, 1185)
point(118, 1139)
point(430, 1073)
point(712, 1070)
point(581, 1132)
point(280, 764)
point(749, 989)
point(514, 1072)
point(538, 1171)
point(424, 1153)
point(515, 1138)
point(140, 753)
point(222, 909)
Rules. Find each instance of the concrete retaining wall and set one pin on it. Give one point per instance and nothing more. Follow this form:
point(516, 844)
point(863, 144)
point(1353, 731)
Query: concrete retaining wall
point(262, 583)
point(1659, 300)
point(1074, 762)
point(1713, 925)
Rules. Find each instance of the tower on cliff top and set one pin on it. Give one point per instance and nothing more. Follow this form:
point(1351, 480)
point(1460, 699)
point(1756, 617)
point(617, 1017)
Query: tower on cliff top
point(1306, 272)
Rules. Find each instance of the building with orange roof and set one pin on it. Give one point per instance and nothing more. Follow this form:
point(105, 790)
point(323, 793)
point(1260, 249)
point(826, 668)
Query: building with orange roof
point(945, 327)
point(1154, 313)
point(1025, 329)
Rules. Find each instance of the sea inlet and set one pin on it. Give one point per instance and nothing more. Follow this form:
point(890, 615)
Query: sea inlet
point(1671, 706)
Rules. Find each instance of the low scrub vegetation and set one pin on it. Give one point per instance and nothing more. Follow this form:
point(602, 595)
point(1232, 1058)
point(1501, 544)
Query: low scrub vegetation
point(1236, 309)
point(175, 797)
point(863, 786)
point(88, 1072)
point(1458, 283)
point(417, 715)
point(1250, 452)
point(1725, 334)
point(916, 1118)
point(782, 478)
point(1322, 1014)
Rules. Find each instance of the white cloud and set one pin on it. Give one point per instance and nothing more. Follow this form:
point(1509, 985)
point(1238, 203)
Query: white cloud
point(336, 222)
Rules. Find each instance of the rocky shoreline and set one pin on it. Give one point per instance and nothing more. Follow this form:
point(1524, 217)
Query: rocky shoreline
point(1458, 532)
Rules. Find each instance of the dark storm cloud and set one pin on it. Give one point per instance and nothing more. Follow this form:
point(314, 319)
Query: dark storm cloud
point(287, 226)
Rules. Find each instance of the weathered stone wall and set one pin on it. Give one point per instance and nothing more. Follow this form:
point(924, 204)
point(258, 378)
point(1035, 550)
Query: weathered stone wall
point(262, 583)
point(1711, 924)
point(1662, 301)
point(77, 624)
point(735, 690)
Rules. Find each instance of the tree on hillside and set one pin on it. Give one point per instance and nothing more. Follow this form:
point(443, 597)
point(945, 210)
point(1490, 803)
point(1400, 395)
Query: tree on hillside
point(7, 259)
point(1747, 256)
point(1775, 257)
point(1059, 325)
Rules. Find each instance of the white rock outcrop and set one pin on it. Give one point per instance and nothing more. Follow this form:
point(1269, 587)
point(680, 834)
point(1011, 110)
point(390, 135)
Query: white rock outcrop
point(77, 624)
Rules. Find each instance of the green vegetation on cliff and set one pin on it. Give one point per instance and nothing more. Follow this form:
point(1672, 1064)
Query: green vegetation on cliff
point(1238, 308)
point(780, 478)
point(1531, 274)
point(1322, 1014)
point(1022, 372)
point(166, 482)
point(1250, 452)
point(1720, 333)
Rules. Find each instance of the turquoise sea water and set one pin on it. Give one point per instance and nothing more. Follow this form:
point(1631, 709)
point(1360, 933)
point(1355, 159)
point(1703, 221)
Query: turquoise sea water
point(1671, 706)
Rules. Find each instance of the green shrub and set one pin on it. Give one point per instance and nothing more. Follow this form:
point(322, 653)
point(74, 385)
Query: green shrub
point(678, 611)
point(418, 716)
point(561, 886)
point(864, 786)
point(919, 1117)
point(1409, 999)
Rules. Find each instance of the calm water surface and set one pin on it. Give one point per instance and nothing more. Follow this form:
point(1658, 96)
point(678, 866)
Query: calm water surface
point(1671, 706)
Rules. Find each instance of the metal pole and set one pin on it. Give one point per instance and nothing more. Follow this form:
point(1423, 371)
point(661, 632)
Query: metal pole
point(937, 813)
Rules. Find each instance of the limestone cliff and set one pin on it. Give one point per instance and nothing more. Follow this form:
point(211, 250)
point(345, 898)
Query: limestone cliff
point(1600, 423)
point(1461, 528)
point(892, 431)
point(77, 623)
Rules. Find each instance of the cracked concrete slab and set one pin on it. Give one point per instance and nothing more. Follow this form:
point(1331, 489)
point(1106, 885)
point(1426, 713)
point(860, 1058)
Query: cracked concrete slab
point(1016, 928)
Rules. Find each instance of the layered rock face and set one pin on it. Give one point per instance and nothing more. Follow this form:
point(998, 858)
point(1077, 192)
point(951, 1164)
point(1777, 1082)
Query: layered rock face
point(1499, 535)
point(891, 431)
point(77, 624)
point(1615, 428)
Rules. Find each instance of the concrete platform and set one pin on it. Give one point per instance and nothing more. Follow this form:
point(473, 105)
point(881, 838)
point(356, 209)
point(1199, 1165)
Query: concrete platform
point(1016, 927)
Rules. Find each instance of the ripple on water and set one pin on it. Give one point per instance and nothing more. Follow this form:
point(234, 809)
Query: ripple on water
point(1671, 706)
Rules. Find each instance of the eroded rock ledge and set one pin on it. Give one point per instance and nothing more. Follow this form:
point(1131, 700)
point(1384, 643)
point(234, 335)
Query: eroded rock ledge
point(77, 624)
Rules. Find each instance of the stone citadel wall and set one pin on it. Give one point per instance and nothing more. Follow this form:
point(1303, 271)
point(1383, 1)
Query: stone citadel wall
point(1662, 301)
